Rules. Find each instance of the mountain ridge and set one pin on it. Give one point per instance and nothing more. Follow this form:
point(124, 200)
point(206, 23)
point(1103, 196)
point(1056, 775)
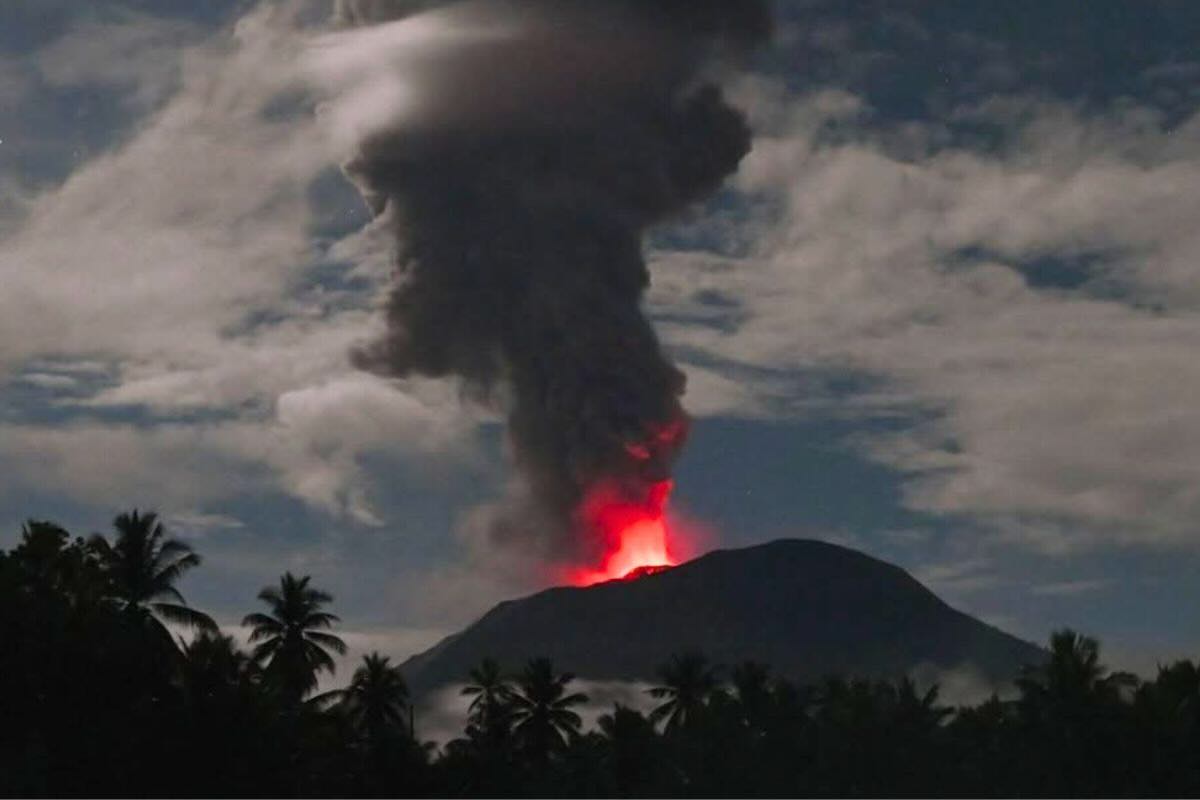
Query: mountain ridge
point(806, 607)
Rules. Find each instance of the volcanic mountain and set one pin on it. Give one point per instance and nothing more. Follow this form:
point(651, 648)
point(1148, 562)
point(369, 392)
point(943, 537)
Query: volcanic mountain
point(807, 608)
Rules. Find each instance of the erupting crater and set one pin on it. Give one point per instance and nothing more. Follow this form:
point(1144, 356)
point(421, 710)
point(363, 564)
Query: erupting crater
point(634, 537)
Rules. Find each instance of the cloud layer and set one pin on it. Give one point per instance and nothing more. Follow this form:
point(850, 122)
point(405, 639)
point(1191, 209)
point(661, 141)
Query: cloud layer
point(1029, 306)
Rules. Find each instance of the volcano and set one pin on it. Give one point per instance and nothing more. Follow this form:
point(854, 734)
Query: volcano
point(807, 608)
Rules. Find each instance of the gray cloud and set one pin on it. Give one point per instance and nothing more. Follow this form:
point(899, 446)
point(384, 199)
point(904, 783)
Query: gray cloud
point(1071, 588)
point(137, 54)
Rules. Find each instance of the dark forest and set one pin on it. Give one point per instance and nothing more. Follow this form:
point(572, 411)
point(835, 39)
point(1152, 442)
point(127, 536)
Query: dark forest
point(100, 695)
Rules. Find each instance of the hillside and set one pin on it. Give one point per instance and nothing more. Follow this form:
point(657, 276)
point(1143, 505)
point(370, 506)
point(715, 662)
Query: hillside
point(805, 607)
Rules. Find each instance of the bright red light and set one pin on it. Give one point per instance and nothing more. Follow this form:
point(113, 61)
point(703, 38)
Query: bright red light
point(634, 535)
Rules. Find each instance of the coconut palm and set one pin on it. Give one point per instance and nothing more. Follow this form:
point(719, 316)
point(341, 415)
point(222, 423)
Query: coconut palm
point(377, 699)
point(752, 684)
point(542, 709)
point(633, 753)
point(292, 642)
point(142, 566)
point(492, 698)
point(1072, 676)
point(687, 681)
point(213, 669)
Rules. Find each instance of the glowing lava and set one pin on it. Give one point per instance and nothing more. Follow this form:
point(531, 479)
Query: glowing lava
point(634, 535)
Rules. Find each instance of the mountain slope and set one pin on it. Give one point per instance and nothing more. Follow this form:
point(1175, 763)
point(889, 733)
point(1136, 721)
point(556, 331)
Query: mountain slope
point(805, 607)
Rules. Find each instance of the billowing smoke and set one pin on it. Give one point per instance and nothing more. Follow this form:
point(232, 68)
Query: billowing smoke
point(521, 149)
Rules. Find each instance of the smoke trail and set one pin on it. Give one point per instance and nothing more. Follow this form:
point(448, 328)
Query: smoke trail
point(525, 149)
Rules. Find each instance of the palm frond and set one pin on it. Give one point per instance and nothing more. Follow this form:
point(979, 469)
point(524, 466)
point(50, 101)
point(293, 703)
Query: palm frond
point(262, 621)
point(165, 591)
point(184, 615)
point(327, 640)
point(320, 619)
point(174, 547)
point(265, 650)
point(271, 596)
point(662, 712)
point(572, 700)
point(326, 699)
point(321, 660)
point(315, 596)
point(174, 570)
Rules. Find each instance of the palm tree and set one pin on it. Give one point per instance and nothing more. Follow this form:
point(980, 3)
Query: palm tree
point(291, 644)
point(1168, 720)
point(752, 683)
point(490, 709)
point(1073, 675)
point(687, 682)
point(633, 753)
point(917, 711)
point(142, 567)
point(542, 709)
point(377, 699)
point(1073, 709)
point(212, 669)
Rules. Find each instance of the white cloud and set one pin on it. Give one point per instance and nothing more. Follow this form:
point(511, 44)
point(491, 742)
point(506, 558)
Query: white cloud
point(1060, 416)
point(193, 224)
point(1064, 412)
point(177, 263)
point(311, 446)
point(174, 466)
point(49, 380)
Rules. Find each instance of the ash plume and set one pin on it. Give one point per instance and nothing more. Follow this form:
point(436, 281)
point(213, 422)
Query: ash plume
point(521, 150)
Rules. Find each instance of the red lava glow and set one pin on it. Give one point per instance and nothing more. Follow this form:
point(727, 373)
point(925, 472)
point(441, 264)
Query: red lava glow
point(635, 535)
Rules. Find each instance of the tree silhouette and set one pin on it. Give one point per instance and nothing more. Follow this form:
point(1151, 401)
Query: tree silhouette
point(212, 667)
point(1168, 724)
point(752, 685)
point(542, 709)
point(377, 699)
point(142, 567)
point(54, 569)
point(376, 704)
point(1072, 675)
point(492, 699)
point(634, 756)
point(76, 658)
point(687, 680)
point(292, 641)
point(1073, 708)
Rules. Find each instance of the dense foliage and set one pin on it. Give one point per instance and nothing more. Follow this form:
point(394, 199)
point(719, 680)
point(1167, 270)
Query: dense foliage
point(98, 697)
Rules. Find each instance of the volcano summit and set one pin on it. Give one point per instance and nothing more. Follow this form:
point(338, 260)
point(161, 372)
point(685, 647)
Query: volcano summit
point(804, 607)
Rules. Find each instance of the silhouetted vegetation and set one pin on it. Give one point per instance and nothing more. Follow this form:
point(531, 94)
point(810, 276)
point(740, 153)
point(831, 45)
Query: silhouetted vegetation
point(99, 697)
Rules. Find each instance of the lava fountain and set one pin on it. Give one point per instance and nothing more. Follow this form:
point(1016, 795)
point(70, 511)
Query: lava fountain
point(633, 537)
point(627, 521)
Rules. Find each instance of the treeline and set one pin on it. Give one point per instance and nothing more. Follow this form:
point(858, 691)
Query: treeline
point(99, 698)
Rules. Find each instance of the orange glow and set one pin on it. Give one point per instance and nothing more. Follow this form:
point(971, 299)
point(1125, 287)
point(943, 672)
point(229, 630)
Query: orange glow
point(634, 535)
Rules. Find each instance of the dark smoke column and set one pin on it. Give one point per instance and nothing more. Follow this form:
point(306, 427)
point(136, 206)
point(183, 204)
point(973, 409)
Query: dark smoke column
point(520, 191)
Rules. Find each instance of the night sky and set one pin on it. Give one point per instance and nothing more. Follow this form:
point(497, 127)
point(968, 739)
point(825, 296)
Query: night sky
point(947, 313)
